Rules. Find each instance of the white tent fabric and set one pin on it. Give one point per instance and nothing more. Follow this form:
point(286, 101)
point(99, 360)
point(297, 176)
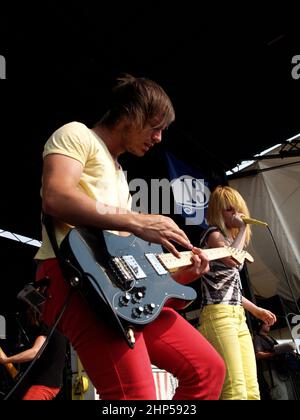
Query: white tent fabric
point(273, 195)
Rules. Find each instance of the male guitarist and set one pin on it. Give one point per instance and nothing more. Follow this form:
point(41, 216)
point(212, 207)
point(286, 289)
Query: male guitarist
point(83, 184)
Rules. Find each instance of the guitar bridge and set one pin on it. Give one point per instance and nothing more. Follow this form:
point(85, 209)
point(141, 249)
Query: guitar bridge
point(119, 268)
point(126, 269)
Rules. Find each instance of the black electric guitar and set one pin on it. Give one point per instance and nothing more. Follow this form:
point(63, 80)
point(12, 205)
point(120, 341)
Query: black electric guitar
point(126, 276)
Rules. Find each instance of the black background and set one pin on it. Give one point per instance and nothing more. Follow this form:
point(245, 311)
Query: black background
point(227, 69)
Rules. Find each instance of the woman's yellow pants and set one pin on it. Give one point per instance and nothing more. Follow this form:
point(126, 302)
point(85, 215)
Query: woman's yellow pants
point(225, 328)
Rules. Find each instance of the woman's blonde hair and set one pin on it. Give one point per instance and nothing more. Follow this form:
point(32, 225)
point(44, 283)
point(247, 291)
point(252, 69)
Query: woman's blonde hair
point(222, 198)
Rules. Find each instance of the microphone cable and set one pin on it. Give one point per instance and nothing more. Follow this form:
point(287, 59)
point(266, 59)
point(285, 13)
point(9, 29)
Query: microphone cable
point(283, 268)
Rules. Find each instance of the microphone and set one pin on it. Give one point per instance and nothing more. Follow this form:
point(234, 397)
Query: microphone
point(249, 220)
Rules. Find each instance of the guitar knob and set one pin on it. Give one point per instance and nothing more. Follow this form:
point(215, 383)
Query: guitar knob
point(75, 281)
point(137, 297)
point(137, 312)
point(124, 299)
point(149, 308)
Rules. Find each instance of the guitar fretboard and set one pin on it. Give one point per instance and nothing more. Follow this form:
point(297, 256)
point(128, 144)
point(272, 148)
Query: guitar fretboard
point(171, 263)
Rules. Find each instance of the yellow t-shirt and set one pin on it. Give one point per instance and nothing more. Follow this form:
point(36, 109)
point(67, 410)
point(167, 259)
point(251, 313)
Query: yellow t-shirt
point(101, 179)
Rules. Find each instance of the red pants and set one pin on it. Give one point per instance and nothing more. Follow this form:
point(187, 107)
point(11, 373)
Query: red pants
point(41, 392)
point(121, 373)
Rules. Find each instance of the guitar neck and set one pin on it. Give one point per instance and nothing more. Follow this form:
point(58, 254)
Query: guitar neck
point(172, 263)
point(10, 367)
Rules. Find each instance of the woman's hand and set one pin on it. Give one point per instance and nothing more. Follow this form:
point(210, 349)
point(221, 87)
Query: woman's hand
point(265, 315)
point(237, 221)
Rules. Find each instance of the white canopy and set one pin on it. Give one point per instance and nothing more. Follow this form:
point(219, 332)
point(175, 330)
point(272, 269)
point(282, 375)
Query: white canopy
point(272, 193)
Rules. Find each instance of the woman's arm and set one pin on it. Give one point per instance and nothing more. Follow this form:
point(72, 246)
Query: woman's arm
point(264, 314)
point(24, 356)
point(217, 240)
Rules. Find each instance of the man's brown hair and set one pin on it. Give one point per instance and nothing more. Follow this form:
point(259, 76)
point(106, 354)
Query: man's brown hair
point(141, 100)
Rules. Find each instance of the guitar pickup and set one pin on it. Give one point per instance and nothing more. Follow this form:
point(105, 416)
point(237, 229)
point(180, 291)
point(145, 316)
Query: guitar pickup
point(156, 264)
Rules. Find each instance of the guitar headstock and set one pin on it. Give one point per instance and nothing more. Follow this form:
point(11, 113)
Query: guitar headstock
point(239, 255)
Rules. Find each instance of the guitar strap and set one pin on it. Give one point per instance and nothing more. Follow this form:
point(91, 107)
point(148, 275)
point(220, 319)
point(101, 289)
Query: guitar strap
point(48, 223)
point(69, 271)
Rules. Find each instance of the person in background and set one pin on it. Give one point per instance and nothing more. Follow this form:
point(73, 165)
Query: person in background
point(267, 347)
point(222, 316)
point(45, 378)
point(84, 184)
point(264, 343)
point(276, 363)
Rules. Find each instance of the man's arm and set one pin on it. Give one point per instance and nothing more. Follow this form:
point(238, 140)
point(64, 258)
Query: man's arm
point(63, 200)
